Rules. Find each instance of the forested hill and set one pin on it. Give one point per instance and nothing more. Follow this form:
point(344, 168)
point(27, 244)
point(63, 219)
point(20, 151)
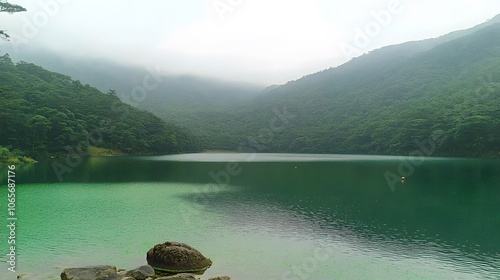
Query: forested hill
point(45, 114)
point(444, 90)
point(187, 101)
point(449, 94)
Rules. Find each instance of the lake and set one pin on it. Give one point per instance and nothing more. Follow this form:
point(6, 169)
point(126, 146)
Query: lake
point(263, 216)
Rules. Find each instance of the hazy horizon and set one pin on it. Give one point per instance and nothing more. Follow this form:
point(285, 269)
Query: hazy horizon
point(233, 40)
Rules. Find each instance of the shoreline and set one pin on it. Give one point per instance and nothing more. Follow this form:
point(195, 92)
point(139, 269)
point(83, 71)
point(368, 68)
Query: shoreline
point(105, 153)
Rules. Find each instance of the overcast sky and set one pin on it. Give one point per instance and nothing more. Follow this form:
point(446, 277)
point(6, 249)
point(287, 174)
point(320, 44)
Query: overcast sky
point(259, 41)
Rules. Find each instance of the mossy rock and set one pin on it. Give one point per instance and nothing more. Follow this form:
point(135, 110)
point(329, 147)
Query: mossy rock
point(174, 257)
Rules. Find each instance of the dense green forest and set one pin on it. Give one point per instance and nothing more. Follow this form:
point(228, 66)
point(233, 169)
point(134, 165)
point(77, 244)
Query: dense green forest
point(385, 102)
point(187, 101)
point(46, 114)
point(444, 92)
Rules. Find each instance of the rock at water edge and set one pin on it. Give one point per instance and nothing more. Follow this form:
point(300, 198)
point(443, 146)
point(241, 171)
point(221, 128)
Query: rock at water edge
point(88, 273)
point(177, 258)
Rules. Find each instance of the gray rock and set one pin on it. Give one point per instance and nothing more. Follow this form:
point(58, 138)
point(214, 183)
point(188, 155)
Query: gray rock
point(181, 276)
point(141, 273)
point(114, 276)
point(88, 273)
point(220, 278)
point(174, 257)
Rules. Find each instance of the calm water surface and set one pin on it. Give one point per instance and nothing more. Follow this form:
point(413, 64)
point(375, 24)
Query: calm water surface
point(266, 216)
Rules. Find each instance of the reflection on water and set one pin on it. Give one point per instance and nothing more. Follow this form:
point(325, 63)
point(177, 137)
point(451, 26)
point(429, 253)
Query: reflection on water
point(274, 215)
point(417, 243)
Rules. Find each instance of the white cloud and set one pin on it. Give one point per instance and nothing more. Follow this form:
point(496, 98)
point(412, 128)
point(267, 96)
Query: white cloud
point(268, 41)
point(259, 36)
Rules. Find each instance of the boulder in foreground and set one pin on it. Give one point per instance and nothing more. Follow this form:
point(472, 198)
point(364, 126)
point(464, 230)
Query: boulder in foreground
point(88, 273)
point(174, 257)
point(181, 276)
point(141, 273)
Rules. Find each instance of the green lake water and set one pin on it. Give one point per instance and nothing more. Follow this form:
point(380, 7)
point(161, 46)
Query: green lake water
point(265, 216)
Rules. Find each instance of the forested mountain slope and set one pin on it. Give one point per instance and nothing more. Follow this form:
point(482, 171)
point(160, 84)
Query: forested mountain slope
point(444, 90)
point(383, 102)
point(48, 114)
point(181, 99)
point(377, 105)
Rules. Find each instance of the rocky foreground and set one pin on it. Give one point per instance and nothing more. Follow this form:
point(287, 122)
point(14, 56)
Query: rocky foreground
point(107, 272)
point(169, 260)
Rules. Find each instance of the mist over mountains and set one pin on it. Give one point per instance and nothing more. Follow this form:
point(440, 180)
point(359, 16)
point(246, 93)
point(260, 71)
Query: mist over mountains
point(444, 91)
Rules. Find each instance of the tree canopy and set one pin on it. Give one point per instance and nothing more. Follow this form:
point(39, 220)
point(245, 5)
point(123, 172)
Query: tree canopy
point(46, 114)
point(385, 102)
point(445, 91)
